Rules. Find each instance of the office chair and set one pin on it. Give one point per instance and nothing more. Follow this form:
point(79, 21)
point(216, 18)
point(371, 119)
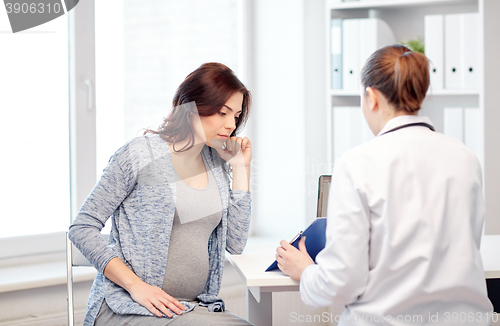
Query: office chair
point(74, 258)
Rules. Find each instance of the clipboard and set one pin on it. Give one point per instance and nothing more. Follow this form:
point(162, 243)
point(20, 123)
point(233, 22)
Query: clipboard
point(315, 240)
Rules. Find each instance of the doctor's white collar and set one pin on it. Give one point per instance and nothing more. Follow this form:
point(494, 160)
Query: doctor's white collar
point(403, 120)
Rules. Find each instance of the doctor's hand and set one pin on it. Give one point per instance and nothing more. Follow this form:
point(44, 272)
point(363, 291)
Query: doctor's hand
point(292, 261)
point(155, 299)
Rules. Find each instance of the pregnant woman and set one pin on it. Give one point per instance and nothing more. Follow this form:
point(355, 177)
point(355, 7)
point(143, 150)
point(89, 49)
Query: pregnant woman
point(174, 211)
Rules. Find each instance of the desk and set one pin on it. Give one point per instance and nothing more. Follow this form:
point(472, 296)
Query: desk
point(260, 285)
point(490, 246)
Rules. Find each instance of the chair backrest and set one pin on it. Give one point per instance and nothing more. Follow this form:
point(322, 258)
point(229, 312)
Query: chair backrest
point(77, 258)
point(74, 258)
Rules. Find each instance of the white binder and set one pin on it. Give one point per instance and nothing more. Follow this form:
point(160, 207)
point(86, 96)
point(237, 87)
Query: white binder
point(350, 66)
point(349, 129)
point(360, 38)
point(336, 53)
point(454, 123)
point(373, 34)
point(470, 48)
point(434, 49)
point(474, 132)
point(367, 40)
point(453, 51)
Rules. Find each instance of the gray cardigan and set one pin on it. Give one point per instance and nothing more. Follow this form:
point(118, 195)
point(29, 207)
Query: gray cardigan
point(137, 190)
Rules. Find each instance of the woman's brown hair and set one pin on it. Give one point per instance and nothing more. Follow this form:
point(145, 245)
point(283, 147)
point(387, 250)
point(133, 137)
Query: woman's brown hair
point(400, 74)
point(209, 87)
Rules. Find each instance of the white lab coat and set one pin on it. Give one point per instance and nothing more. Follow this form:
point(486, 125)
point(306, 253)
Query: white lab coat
point(405, 217)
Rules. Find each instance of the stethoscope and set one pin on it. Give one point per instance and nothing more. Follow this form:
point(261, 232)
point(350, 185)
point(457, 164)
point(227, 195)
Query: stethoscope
point(421, 124)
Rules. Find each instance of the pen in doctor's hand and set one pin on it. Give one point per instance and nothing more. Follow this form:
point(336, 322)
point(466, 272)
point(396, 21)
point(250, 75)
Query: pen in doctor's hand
point(296, 237)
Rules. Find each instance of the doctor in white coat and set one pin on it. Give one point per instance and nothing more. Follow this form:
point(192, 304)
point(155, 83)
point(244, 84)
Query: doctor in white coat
point(405, 215)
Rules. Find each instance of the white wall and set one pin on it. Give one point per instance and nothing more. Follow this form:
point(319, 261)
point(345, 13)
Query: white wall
point(288, 114)
point(315, 101)
point(490, 9)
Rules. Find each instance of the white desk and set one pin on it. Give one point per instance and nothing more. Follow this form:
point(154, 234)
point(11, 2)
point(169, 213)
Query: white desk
point(260, 284)
point(490, 251)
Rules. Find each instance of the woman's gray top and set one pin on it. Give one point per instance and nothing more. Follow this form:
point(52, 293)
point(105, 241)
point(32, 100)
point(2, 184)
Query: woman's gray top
point(197, 214)
point(137, 190)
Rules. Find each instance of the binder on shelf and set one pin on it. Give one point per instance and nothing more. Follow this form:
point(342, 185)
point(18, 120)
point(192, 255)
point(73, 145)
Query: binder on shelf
point(315, 240)
point(454, 123)
point(360, 38)
point(350, 48)
point(453, 51)
point(470, 44)
point(474, 132)
point(434, 49)
point(373, 34)
point(336, 53)
point(349, 129)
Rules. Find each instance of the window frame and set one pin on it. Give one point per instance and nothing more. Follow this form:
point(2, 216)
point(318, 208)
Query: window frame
point(81, 77)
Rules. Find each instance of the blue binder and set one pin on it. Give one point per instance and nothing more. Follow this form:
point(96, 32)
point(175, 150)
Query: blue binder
point(315, 240)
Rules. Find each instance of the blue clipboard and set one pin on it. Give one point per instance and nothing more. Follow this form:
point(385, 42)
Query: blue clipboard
point(315, 240)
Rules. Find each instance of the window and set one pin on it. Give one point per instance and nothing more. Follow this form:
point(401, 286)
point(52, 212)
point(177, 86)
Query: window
point(34, 129)
point(144, 50)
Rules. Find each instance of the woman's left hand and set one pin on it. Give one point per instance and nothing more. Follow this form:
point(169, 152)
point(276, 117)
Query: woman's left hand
point(291, 261)
point(237, 151)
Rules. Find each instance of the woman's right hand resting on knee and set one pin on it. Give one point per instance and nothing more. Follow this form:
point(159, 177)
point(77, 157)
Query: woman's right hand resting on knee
point(151, 297)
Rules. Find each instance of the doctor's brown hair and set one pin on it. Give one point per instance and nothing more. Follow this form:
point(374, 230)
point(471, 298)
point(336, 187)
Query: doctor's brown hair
point(210, 86)
point(400, 74)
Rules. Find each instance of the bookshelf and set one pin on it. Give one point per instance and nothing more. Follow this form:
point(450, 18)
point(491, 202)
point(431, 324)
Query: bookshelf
point(439, 92)
point(406, 19)
point(338, 5)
